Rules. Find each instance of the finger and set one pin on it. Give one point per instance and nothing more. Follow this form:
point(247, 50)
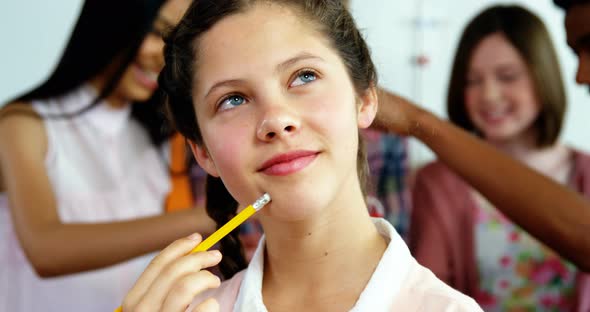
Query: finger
point(157, 292)
point(173, 251)
point(209, 305)
point(185, 289)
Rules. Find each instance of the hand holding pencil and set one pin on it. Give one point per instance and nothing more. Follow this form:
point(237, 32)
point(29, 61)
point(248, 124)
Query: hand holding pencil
point(177, 275)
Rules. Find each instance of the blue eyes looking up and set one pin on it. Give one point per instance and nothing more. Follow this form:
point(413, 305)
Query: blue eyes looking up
point(305, 76)
point(233, 100)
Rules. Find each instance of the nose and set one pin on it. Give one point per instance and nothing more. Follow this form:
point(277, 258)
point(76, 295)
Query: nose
point(491, 91)
point(152, 51)
point(278, 122)
point(583, 72)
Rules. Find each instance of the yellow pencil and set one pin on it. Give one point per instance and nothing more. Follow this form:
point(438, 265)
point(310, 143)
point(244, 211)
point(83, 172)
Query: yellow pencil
point(228, 227)
point(232, 224)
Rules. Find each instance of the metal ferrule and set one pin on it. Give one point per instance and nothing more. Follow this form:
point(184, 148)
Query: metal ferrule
point(261, 202)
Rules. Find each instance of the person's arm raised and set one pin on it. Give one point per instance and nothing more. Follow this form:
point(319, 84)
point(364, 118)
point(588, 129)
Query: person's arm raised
point(554, 214)
point(55, 248)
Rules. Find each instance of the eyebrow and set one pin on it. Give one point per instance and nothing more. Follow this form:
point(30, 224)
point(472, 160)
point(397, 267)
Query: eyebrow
point(280, 67)
point(298, 58)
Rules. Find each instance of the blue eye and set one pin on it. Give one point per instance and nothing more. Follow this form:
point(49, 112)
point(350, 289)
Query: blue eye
point(304, 77)
point(231, 102)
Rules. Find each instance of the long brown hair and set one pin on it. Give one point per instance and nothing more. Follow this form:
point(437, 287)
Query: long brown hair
point(330, 17)
point(527, 33)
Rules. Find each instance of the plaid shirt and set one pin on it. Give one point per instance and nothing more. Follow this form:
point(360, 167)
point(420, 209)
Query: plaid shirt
point(387, 193)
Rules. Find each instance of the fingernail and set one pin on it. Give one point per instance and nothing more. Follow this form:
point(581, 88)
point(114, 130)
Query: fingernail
point(195, 236)
point(216, 253)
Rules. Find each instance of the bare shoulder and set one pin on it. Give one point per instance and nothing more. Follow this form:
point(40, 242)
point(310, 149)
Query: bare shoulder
point(17, 108)
point(18, 116)
point(21, 130)
point(22, 135)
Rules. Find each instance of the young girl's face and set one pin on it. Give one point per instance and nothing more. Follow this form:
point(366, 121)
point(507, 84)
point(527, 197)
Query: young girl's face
point(500, 95)
point(278, 112)
point(139, 80)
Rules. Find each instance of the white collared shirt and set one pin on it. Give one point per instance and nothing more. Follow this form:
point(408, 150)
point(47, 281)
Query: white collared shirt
point(399, 283)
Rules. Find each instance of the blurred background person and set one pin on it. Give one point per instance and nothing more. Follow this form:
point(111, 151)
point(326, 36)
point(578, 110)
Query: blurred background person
point(84, 179)
point(505, 87)
point(412, 44)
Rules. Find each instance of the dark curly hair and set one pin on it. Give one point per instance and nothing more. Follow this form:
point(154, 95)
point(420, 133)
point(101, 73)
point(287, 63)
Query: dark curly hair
point(330, 17)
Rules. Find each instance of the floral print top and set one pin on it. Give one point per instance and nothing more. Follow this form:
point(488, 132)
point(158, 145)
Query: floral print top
point(516, 272)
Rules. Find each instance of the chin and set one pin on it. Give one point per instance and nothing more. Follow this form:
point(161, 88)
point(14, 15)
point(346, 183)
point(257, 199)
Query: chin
point(137, 93)
point(293, 206)
point(142, 95)
point(138, 99)
point(500, 136)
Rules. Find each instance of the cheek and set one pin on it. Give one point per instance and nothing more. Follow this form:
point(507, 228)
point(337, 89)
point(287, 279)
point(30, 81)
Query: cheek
point(469, 96)
point(524, 96)
point(530, 112)
point(226, 145)
point(334, 119)
point(126, 86)
point(333, 105)
point(333, 116)
point(230, 148)
point(471, 99)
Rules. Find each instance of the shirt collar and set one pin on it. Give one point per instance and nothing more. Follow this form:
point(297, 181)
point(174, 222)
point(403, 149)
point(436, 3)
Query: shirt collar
point(378, 295)
point(108, 120)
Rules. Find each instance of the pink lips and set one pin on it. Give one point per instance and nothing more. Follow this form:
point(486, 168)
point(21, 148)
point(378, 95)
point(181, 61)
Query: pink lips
point(288, 163)
point(145, 80)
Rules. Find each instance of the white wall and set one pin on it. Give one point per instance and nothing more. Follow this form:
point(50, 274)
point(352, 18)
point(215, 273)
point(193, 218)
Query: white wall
point(400, 30)
point(33, 33)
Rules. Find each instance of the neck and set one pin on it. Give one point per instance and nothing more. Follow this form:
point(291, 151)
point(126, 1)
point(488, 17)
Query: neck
point(519, 147)
point(305, 261)
point(553, 161)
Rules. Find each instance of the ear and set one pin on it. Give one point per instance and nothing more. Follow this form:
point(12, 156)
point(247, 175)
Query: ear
point(367, 108)
point(203, 158)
